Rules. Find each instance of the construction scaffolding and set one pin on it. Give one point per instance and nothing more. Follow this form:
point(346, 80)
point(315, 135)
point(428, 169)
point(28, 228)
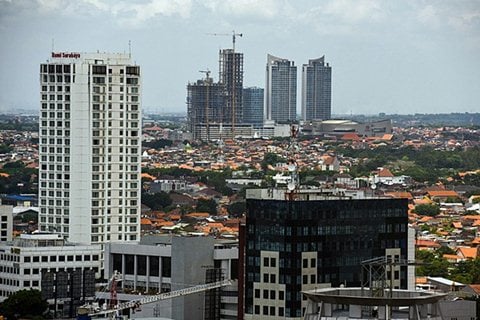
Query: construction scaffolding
point(231, 76)
point(205, 101)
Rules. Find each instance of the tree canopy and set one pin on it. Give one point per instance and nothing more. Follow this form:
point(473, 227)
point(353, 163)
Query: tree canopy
point(156, 201)
point(427, 209)
point(24, 304)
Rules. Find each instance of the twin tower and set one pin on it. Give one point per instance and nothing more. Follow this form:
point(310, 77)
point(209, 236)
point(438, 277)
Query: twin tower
point(228, 104)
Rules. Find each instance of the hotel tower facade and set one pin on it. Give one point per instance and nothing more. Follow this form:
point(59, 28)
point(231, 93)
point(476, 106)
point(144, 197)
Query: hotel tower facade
point(90, 147)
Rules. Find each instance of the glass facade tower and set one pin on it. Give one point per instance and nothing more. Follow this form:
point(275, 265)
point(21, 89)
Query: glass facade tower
point(295, 245)
point(253, 105)
point(280, 90)
point(316, 90)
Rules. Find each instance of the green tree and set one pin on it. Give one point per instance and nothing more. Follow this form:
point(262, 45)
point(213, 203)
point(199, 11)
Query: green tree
point(207, 205)
point(432, 264)
point(270, 159)
point(156, 201)
point(14, 165)
point(445, 250)
point(158, 144)
point(217, 180)
point(24, 304)
point(453, 200)
point(5, 148)
point(237, 209)
point(427, 209)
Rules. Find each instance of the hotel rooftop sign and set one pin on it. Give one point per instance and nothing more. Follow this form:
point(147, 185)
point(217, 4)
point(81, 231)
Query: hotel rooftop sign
point(73, 55)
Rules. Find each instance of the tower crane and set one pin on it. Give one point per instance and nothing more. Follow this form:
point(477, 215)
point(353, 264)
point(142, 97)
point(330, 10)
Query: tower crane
point(133, 304)
point(234, 35)
point(207, 102)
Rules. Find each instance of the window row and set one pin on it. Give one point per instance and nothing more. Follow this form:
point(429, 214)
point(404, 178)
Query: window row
point(52, 202)
point(53, 115)
point(57, 211)
point(270, 311)
point(10, 270)
point(56, 88)
point(60, 258)
point(60, 79)
point(270, 294)
point(59, 97)
point(51, 106)
point(269, 262)
point(56, 68)
point(269, 278)
point(101, 107)
point(9, 257)
point(313, 263)
point(9, 282)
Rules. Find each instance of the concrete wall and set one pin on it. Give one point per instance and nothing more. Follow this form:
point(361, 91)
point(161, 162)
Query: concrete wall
point(190, 259)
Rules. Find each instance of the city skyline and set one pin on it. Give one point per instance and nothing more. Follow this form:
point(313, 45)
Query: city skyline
point(408, 50)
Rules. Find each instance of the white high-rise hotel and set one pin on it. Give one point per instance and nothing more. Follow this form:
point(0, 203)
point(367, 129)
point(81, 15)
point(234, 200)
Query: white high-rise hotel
point(90, 141)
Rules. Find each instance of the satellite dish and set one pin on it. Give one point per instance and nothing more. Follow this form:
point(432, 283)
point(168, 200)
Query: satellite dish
point(373, 186)
point(292, 167)
point(291, 186)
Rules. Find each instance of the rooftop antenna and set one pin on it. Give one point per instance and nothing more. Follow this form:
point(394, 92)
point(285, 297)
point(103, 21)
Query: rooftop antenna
point(293, 183)
point(129, 49)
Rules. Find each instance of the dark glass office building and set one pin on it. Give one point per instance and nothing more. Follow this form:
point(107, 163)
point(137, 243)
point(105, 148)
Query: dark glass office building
point(253, 105)
point(296, 245)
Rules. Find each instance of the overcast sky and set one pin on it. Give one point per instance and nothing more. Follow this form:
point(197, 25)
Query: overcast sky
point(386, 56)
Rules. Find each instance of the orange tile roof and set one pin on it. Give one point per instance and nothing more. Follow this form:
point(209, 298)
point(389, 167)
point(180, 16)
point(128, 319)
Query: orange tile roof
point(148, 176)
point(217, 225)
point(427, 244)
point(471, 217)
point(351, 136)
point(198, 214)
point(175, 217)
point(426, 218)
point(442, 193)
point(467, 252)
point(400, 195)
point(475, 287)
point(457, 225)
point(420, 280)
point(145, 221)
point(384, 172)
point(387, 136)
point(450, 256)
point(422, 201)
point(166, 224)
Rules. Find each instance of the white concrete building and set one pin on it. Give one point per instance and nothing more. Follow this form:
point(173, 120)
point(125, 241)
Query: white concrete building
point(23, 261)
point(90, 147)
point(169, 263)
point(6, 223)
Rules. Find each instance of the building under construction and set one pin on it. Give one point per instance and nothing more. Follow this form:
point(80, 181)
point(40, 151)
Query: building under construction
point(215, 108)
point(231, 76)
point(205, 104)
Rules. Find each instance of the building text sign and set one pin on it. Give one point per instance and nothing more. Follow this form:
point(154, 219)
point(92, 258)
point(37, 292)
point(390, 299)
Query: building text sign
point(73, 55)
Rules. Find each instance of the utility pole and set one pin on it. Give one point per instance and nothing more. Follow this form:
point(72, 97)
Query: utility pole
point(234, 68)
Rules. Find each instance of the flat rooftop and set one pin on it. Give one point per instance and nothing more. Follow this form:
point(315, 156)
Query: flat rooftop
point(310, 194)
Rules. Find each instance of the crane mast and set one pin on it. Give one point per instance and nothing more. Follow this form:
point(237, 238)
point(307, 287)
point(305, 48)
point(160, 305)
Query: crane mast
point(207, 102)
point(234, 68)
